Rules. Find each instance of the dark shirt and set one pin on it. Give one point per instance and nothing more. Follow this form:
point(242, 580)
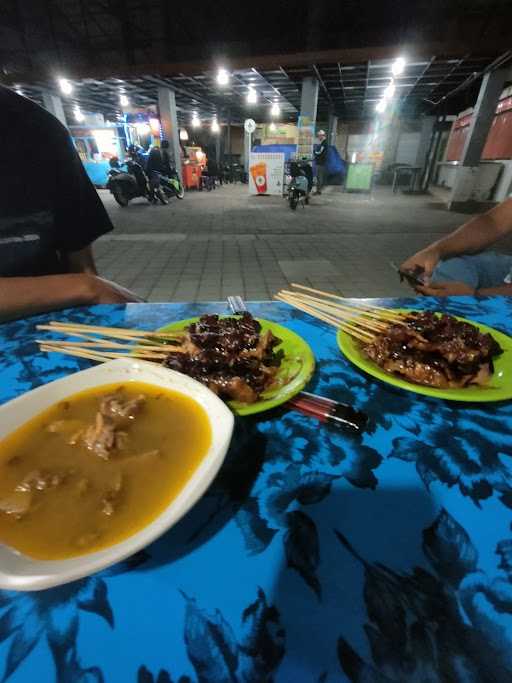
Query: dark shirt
point(321, 153)
point(48, 205)
point(155, 163)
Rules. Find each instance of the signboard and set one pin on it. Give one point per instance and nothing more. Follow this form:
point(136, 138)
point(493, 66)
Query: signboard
point(249, 125)
point(359, 178)
point(266, 173)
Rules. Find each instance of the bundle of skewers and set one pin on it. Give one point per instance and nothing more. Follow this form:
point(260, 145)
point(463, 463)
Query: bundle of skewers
point(106, 343)
point(426, 348)
point(362, 321)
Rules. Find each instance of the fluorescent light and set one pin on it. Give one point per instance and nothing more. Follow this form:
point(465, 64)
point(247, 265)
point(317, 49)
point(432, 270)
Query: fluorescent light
point(65, 86)
point(195, 121)
point(398, 66)
point(389, 91)
point(252, 96)
point(222, 77)
point(123, 100)
point(275, 109)
point(78, 115)
point(381, 106)
point(272, 126)
point(183, 134)
point(215, 126)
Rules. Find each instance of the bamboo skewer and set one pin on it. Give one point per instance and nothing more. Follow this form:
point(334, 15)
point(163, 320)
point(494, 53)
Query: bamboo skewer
point(363, 322)
point(116, 332)
point(345, 326)
point(337, 321)
point(342, 312)
point(98, 355)
point(107, 345)
point(386, 312)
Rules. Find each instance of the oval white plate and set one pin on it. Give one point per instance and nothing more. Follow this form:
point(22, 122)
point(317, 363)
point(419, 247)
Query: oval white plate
point(19, 572)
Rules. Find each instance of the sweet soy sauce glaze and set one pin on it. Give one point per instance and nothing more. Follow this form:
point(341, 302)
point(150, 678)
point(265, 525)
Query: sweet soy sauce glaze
point(94, 469)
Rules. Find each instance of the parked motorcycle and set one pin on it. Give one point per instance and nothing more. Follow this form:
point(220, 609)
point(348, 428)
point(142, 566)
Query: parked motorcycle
point(300, 184)
point(127, 184)
point(171, 185)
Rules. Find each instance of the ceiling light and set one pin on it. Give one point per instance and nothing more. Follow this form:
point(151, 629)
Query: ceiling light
point(79, 115)
point(65, 86)
point(215, 126)
point(381, 106)
point(275, 109)
point(272, 126)
point(398, 66)
point(389, 91)
point(252, 96)
point(195, 121)
point(183, 134)
point(123, 100)
point(222, 77)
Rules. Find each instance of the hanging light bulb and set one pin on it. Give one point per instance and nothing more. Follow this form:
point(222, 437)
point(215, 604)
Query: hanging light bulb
point(389, 91)
point(215, 126)
point(252, 96)
point(123, 100)
point(65, 86)
point(79, 115)
point(398, 66)
point(275, 109)
point(381, 106)
point(222, 77)
point(195, 121)
point(183, 134)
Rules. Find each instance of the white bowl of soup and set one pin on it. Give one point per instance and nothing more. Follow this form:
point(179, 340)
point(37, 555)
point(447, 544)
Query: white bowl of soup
point(97, 465)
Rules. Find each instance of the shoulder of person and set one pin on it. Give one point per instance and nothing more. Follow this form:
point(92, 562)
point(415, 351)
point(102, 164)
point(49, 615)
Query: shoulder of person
point(12, 104)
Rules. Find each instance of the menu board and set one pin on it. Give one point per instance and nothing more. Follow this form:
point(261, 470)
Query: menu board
point(266, 173)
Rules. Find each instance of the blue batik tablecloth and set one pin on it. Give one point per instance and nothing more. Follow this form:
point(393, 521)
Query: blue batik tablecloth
point(315, 556)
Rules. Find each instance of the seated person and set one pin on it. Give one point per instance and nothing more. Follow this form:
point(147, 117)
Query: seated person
point(50, 214)
point(458, 264)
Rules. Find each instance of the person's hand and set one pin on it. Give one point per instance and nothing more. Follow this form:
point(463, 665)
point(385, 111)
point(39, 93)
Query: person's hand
point(106, 292)
point(426, 260)
point(446, 289)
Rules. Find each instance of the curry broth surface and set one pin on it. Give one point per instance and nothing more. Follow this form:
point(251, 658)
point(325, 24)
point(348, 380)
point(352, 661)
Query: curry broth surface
point(68, 518)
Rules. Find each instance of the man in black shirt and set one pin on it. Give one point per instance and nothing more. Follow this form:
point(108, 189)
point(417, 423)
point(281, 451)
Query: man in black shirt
point(50, 214)
point(321, 160)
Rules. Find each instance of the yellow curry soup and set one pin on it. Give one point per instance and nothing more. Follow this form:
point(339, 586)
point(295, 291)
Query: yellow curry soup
point(94, 469)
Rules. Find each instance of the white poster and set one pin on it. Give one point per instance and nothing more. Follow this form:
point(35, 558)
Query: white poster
point(266, 173)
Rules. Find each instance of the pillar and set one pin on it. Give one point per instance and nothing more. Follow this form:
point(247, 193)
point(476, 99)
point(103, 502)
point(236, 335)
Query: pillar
point(228, 141)
point(309, 98)
point(427, 128)
point(247, 149)
point(169, 123)
point(307, 118)
point(53, 104)
point(463, 196)
point(390, 128)
point(218, 142)
point(332, 130)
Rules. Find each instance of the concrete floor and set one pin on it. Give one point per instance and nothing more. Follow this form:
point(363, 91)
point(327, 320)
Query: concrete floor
point(213, 244)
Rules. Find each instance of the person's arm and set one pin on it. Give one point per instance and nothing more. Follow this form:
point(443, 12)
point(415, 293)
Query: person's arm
point(502, 290)
point(24, 296)
point(472, 237)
